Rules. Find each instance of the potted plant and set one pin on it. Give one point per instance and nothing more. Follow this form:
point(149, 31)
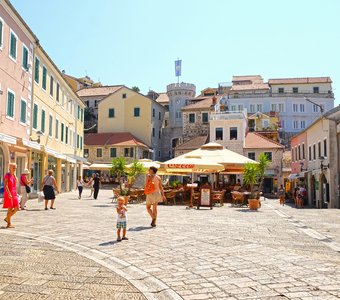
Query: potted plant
point(135, 169)
point(254, 174)
point(118, 170)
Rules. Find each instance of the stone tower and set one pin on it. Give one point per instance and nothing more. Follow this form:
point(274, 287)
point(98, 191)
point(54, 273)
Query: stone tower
point(178, 94)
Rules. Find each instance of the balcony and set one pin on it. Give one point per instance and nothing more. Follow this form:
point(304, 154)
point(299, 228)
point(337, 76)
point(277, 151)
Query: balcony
point(228, 115)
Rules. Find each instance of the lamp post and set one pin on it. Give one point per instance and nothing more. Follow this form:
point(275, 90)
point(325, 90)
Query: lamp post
point(322, 166)
point(318, 105)
point(39, 134)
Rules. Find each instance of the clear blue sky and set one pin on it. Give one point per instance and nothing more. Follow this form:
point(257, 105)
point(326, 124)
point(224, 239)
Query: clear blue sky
point(135, 42)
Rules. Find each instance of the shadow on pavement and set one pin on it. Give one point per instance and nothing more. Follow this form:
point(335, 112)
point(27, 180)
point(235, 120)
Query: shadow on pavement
point(247, 210)
point(108, 243)
point(139, 228)
point(102, 205)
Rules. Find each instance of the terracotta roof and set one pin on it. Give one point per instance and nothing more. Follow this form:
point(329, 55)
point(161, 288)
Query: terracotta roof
point(163, 98)
point(194, 143)
point(300, 80)
point(258, 141)
point(245, 83)
point(112, 139)
point(206, 103)
point(98, 91)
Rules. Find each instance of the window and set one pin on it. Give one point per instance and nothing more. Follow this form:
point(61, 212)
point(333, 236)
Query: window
point(78, 140)
point(219, 134)
point(124, 96)
point(23, 111)
point(51, 85)
point(57, 91)
point(303, 124)
point(99, 152)
point(240, 108)
point(113, 152)
point(281, 107)
point(251, 155)
point(50, 124)
point(43, 114)
point(111, 112)
point(295, 90)
point(35, 116)
point(302, 108)
point(252, 108)
point(281, 90)
point(13, 45)
point(44, 74)
point(36, 70)
point(153, 132)
point(178, 114)
point(319, 149)
point(303, 151)
point(10, 104)
point(159, 115)
point(316, 90)
point(259, 107)
point(131, 152)
point(315, 108)
point(24, 57)
point(265, 123)
point(205, 117)
point(233, 133)
point(314, 152)
point(295, 107)
point(325, 148)
point(233, 108)
point(295, 124)
point(310, 153)
point(62, 132)
point(136, 112)
point(299, 152)
point(293, 155)
point(1, 32)
point(66, 134)
point(273, 106)
point(86, 152)
point(191, 118)
point(159, 134)
point(269, 155)
point(153, 112)
point(81, 142)
point(56, 129)
point(126, 152)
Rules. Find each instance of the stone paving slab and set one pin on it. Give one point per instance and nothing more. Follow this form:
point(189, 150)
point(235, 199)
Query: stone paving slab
point(225, 253)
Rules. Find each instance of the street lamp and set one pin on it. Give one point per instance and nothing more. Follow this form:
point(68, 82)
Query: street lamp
point(39, 134)
point(93, 126)
point(310, 101)
point(322, 166)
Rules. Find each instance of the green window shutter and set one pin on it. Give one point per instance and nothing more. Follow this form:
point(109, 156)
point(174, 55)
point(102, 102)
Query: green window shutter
point(113, 152)
point(81, 142)
point(13, 50)
point(44, 78)
point(10, 104)
point(131, 152)
point(51, 85)
point(50, 126)
point(66, 134)
point(23, 112)
point(42, 121)
point(1, 26)
point(57, 92)
point(56, 129)
point(25, 58)
point(36, 70)
point(62, 132)
point(111, 112)
point(35, 116)
point(77, 140)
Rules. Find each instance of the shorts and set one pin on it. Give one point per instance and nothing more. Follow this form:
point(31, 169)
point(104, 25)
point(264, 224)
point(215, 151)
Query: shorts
point(121, 224)
point(154, 198)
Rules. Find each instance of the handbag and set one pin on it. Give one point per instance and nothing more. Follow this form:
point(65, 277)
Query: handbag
point(41, 196)
point(28, 189)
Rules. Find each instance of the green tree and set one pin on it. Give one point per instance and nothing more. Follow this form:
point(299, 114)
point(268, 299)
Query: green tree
point(133, 171)
point(118, 170)
point(135, 89)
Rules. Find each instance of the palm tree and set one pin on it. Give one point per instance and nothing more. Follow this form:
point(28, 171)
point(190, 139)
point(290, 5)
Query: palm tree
point(262, 166)
point(134, 170)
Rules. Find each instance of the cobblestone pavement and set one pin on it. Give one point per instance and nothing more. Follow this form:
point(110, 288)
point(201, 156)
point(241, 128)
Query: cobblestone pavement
point(225, 253)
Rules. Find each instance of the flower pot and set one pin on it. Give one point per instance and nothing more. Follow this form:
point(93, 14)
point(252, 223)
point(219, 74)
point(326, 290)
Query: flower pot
point(253, 204)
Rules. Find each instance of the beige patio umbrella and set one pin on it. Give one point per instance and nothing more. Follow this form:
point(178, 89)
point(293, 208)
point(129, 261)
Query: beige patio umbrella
point(100, 166)
point(147, 163)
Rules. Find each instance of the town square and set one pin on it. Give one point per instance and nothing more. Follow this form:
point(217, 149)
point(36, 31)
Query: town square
point(176, 150)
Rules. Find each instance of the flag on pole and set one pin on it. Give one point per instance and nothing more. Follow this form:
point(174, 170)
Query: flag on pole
point(178, 67)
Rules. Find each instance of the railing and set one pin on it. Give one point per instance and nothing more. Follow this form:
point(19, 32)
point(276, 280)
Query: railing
point(227, 115)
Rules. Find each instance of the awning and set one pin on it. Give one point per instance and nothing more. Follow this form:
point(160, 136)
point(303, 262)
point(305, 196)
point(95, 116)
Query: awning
point(55, 153)
point(8, 139)
point(296, 176)
point(31, 144)
point(98, 166)
point(78, 158)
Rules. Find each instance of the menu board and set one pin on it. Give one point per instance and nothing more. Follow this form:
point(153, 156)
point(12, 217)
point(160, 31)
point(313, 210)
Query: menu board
point(205, 197)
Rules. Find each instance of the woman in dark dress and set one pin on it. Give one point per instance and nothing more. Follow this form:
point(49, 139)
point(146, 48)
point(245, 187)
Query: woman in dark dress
point(48, 186)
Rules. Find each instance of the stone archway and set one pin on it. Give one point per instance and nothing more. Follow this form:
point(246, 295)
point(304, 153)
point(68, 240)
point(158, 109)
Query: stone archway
point(324, 189)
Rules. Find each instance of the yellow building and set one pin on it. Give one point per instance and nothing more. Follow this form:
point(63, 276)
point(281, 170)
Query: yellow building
point(125, 110)
point(57, 116)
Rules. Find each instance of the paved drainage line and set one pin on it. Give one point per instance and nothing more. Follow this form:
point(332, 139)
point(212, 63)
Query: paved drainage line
point(328, 242)
point(138, 278)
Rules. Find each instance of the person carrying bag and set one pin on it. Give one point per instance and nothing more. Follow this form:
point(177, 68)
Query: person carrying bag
point(24, 188)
